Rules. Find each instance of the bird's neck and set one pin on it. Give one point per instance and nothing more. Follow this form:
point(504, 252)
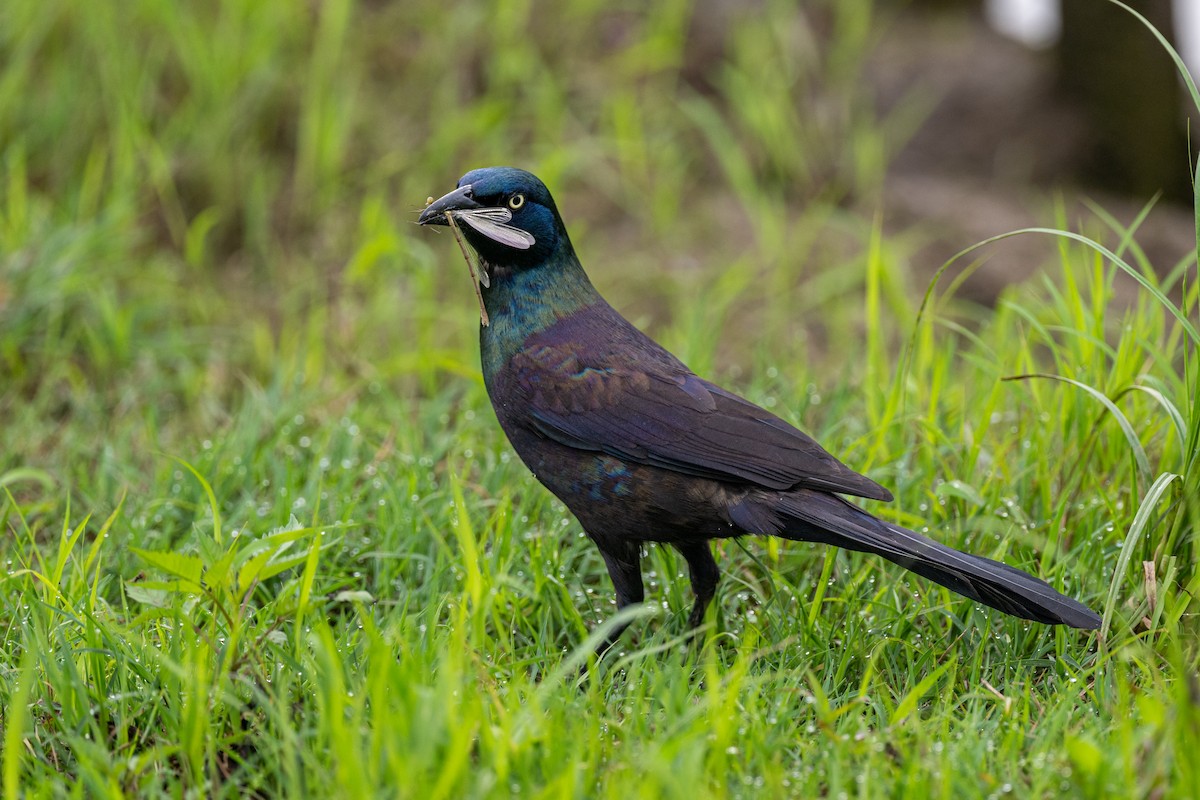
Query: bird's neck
point(523, 302)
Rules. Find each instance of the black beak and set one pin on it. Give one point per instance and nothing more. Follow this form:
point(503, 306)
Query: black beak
point(458, 200)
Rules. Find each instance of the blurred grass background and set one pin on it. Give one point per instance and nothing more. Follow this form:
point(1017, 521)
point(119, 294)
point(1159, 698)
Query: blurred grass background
point(200, 192)
point(263, 535)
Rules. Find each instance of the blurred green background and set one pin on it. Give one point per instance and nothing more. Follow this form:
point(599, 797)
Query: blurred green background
point(201, 194)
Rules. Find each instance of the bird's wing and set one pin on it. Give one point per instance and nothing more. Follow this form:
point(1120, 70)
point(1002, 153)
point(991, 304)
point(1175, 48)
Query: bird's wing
point(646, 407)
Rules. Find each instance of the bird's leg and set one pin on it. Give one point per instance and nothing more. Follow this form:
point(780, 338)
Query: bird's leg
point(704, 577)
point(625, 569)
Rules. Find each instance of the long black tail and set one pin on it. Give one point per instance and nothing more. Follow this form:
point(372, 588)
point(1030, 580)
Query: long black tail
point(816, 516)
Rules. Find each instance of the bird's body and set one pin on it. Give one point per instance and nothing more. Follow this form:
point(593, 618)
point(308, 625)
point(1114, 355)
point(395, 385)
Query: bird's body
point(640, 449)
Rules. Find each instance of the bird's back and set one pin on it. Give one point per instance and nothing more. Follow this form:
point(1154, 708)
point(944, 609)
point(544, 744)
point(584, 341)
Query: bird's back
point(592, 381)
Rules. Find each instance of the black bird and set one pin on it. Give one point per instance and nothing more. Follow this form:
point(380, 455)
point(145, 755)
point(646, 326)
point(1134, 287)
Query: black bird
point(640, 449)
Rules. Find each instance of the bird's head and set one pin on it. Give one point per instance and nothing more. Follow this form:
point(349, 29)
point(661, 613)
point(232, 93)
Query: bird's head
point(507, 216)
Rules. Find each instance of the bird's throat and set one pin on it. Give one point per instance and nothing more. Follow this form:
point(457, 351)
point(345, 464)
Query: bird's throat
point(522, 302)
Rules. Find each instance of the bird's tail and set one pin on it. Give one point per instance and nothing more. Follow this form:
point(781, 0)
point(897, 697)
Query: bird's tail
point(816, 516)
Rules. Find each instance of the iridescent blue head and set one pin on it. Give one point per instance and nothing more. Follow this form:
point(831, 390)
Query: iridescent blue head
point(507, 216)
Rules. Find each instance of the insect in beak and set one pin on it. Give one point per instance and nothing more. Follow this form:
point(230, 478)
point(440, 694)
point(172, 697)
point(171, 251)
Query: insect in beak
point(492, 223)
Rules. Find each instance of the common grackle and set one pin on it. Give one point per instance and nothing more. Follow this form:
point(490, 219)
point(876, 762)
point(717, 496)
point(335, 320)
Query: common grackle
point(641, 449)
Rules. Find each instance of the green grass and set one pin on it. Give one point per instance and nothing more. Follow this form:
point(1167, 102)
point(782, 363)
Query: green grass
point(262, 535)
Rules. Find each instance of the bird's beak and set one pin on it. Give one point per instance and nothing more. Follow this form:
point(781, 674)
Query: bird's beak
point(458, 200)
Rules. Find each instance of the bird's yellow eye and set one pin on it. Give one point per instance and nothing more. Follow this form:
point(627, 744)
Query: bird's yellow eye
point(516, 201)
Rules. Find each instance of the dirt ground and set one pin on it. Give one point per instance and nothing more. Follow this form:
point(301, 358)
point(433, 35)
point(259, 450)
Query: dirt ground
point(996, 150)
